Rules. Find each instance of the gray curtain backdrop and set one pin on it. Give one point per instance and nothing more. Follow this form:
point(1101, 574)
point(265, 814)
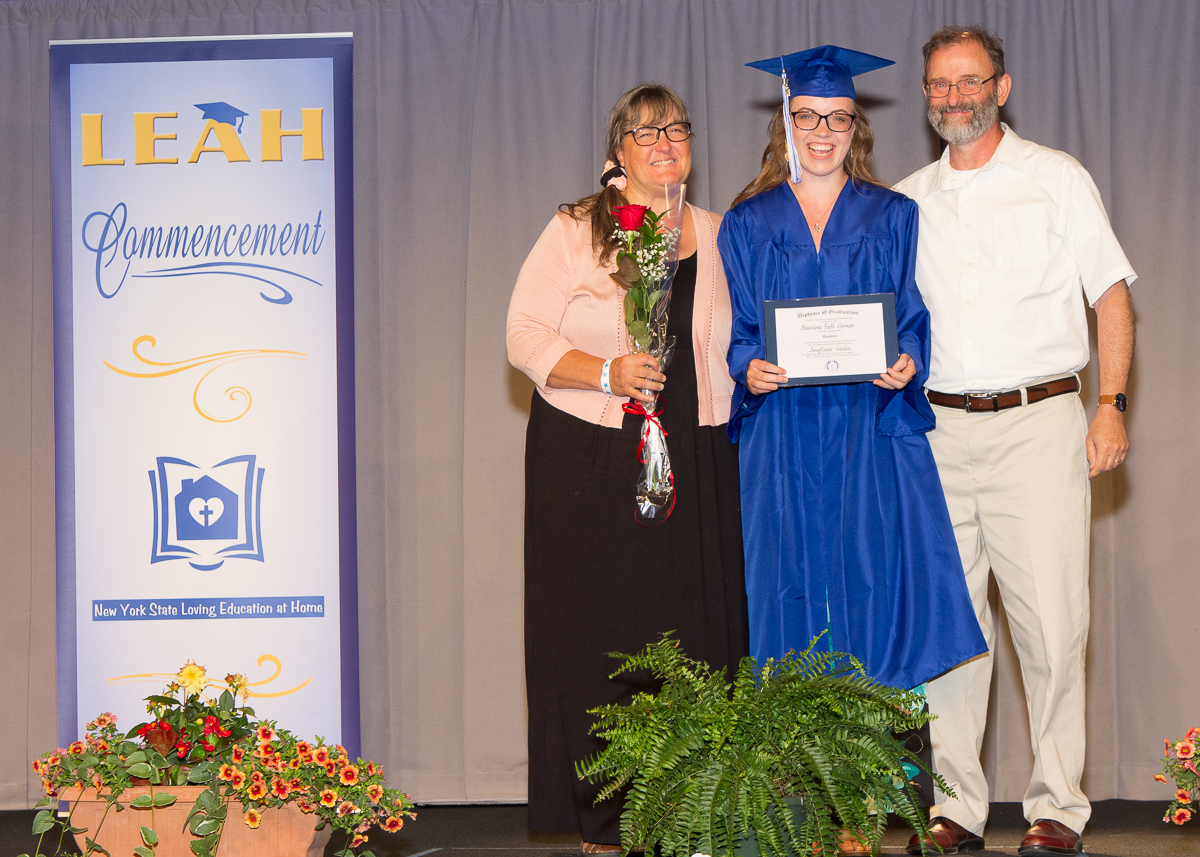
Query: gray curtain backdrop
point(473, 120)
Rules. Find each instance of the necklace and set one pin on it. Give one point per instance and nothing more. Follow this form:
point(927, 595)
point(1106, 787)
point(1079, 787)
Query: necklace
point(816, 221)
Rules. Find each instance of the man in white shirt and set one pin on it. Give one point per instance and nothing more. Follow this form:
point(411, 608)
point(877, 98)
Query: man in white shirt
point(1013, 238)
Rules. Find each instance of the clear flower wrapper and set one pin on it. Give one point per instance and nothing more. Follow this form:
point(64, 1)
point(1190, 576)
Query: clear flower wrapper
point(646, 267)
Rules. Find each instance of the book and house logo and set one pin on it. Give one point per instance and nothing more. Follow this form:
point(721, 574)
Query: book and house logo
point(205, 509)
point(207, 515)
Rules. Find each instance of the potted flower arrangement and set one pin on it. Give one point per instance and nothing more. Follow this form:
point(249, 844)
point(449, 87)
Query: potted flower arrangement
point(1179, 766)
point(781, 761)
point(201, 747)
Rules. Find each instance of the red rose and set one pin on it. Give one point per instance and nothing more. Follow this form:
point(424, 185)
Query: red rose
point(630, 217)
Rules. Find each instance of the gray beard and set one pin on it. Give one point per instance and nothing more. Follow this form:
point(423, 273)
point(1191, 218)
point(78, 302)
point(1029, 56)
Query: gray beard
point(983, 116)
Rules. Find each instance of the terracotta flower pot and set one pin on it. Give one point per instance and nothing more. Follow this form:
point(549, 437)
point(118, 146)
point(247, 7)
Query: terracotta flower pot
point(284, 832)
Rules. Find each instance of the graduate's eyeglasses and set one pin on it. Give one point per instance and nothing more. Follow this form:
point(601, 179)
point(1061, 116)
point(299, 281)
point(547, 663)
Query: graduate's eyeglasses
point(807, 120)
point(966, 86)
point(676, 132)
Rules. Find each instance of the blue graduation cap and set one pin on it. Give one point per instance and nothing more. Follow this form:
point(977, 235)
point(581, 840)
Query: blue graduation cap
point(824, 72)
point(224, 113)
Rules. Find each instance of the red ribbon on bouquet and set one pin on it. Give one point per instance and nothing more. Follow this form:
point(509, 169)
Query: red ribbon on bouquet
point(638, 409)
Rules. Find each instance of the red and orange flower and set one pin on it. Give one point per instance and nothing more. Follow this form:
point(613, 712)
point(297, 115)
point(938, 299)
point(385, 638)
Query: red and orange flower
point(1179, 769)
point(251, 761)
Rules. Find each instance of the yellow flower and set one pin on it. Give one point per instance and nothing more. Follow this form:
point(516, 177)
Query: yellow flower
point(192, 678)
point(238, 685)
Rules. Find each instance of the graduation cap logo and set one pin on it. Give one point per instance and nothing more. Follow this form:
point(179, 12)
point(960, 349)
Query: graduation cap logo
point(227, 114)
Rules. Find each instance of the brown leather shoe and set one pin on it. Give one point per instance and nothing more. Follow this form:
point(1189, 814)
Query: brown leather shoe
point(1050, 838)
point(950, 836)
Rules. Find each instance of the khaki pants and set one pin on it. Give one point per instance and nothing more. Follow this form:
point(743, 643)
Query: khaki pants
point(1017, 488)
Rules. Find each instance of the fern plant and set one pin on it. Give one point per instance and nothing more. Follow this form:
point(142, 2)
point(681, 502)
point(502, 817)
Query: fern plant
point(708, 764)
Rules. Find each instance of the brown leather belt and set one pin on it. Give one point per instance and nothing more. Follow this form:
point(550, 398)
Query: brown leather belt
point(974, 402)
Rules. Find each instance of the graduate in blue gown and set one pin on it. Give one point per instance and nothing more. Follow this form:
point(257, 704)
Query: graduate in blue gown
point(843, 517)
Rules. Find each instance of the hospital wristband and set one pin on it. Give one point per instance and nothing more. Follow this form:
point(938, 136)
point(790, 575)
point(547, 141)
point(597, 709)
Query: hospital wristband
point(604, 376)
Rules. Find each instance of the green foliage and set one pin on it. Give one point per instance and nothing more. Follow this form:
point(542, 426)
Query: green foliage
point(706, 762)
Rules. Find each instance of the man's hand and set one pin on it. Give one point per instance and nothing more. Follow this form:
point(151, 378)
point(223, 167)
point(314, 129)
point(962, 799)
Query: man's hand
point(1107, 444)
point(898, 376)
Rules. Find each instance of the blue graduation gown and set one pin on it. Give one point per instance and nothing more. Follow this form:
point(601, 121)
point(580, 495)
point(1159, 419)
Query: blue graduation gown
point(843, 518)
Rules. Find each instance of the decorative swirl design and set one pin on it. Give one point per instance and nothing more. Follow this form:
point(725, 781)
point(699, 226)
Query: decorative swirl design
point(271, 659)
point(236, 394)
point(278, 669)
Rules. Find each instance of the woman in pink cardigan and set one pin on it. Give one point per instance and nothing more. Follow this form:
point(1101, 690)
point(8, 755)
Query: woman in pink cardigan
point(595, 581)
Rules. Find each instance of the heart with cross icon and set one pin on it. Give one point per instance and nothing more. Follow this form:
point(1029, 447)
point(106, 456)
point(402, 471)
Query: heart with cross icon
point(206, 511)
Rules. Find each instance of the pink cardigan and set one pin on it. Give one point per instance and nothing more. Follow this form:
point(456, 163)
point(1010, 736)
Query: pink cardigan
point(563, 300)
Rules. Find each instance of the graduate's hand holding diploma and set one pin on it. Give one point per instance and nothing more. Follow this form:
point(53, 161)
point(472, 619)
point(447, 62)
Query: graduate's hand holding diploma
point(763, 377)
point(898, 376)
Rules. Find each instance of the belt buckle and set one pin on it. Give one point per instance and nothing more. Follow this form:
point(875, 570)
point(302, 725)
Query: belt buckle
point(993, 395)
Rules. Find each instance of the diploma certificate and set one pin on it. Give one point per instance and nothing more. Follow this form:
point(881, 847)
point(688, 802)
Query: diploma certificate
point(841, 340)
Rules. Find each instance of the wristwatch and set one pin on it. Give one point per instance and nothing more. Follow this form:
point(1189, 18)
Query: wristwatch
point(1118, 401)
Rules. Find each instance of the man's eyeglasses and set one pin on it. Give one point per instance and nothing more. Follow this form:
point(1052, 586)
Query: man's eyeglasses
point(676, 132)
point(966, 86)
point(807, 120)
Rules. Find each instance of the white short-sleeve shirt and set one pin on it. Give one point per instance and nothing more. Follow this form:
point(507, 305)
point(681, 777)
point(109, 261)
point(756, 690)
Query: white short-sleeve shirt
point(1005, 258)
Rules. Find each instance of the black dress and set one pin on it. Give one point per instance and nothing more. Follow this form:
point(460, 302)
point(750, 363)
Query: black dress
point(597, 582)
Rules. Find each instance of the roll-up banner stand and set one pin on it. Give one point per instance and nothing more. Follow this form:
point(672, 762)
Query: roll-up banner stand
point(204, 375)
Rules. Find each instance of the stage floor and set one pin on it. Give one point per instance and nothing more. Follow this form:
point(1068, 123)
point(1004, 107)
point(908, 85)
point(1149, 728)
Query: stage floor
point(1118, 829)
